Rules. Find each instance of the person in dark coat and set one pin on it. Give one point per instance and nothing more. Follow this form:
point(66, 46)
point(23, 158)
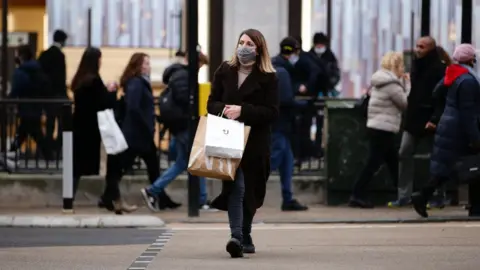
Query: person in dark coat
point(27, 84)
point(328, 79)
point(427, 70)
point(282, 154)
point(246, 87)
point(458, 132)
point(304, 74)
point(90, 96)
point(53, 64)
point(138, 125)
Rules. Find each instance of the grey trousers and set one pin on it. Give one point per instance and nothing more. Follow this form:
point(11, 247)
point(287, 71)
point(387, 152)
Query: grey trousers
point(406, 154)
point(239, 218)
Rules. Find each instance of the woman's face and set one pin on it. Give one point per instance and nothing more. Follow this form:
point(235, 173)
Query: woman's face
point(247, 42)
point(146, 66)
point(401, 70)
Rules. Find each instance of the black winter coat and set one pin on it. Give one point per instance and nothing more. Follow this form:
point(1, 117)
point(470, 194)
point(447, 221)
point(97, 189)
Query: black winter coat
point(426, 73)
point(258, 96)
point(91, 97)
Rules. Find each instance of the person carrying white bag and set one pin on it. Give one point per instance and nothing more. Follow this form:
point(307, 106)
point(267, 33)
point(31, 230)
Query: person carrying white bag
point(224, 138)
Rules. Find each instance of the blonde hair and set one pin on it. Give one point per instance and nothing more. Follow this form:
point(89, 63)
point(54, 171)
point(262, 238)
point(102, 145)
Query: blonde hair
point(264, 63)
point(393, 61)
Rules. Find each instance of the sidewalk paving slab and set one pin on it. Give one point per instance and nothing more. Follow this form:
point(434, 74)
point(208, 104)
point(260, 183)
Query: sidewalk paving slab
point(317, 214)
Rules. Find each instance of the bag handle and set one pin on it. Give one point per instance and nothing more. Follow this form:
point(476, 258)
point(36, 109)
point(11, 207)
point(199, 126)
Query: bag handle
point(221, 114)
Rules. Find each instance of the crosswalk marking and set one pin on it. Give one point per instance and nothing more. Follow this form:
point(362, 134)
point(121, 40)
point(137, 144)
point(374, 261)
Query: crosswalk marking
point(144, 259)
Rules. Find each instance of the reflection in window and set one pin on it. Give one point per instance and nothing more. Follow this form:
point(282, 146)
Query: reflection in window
point(446, 23)
point(362, 31)
point(119, 23)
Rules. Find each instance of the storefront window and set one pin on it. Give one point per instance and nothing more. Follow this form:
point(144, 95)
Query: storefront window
point(362, 31)
point(118, 23)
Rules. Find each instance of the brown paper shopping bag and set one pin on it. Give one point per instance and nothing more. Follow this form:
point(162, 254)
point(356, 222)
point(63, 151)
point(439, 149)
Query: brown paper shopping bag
point(201, 165)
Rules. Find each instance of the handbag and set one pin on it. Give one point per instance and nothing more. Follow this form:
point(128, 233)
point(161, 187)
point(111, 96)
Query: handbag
point(112, 137)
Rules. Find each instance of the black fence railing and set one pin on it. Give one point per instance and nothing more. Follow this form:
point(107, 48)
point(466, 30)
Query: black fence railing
point(31, 139)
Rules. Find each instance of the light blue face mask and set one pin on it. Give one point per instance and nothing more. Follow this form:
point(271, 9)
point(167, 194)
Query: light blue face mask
point(320, 50)
point(293, 59)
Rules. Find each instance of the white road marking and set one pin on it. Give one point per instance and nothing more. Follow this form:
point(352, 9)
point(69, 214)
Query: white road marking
point(155, 248)
point(136, 268)
point(150, 257)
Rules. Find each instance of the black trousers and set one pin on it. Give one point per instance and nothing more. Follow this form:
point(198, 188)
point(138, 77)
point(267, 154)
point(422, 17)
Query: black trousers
point(117, 165)
point(30, 126)
point(303, 145)
point(382, 150)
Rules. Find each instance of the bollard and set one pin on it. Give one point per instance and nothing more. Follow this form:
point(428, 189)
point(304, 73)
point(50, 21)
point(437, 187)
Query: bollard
point(67, 159)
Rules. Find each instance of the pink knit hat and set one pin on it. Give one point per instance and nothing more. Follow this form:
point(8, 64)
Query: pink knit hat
point(464, 53)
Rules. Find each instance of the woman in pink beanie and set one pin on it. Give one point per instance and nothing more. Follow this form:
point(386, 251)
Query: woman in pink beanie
point(458, 133)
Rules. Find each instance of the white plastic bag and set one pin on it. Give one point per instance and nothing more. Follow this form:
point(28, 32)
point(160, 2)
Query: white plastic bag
point(224, 138)
point(112, 137)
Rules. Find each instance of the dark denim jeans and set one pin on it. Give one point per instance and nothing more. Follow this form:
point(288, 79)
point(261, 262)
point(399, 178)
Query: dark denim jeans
point(239, 218)
point(282, 160)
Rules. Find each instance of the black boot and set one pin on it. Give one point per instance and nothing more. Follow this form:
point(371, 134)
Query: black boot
point(164, 202)
point(235, 248)
point(248, 246)
point(419, 203)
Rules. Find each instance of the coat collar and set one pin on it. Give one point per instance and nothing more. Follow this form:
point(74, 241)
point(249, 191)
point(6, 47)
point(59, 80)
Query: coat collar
point(251, 83)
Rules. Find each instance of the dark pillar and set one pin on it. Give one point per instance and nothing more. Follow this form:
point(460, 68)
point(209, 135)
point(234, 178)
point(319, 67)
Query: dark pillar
point(425, 18)
point(215, 52)
point(467, 12)
point(89, 27)
point(192, 43)
point(3, 109)
point(329, 19)
point(295, 18)
point(4, 47)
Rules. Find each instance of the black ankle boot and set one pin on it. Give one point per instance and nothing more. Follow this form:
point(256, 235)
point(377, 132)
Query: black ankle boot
point(248, 246)
point(235, 248)
point(419, 202)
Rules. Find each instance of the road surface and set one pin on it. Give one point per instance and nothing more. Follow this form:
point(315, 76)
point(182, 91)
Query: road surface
point(438, 246)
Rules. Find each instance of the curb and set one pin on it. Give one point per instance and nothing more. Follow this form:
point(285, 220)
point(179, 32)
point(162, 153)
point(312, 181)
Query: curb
point(81, 221)
point(344, 221)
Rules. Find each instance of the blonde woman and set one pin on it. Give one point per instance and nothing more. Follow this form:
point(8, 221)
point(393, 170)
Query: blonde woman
point(388, 99)
point(246, 87)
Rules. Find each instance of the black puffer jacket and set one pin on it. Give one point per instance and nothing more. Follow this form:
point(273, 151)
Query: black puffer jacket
point(176, 78)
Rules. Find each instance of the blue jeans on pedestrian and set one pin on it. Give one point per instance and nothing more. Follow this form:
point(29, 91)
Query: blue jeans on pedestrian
point(180, 165)
point(282, 160)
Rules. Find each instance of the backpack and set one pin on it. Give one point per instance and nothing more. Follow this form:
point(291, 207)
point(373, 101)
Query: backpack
point(170, 111)
point(39, 86)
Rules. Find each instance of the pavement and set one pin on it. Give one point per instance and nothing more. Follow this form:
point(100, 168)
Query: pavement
point(437, 246)
point(92, 217)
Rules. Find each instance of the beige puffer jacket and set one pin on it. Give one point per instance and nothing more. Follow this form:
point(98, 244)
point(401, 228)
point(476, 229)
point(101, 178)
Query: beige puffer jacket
point(388, 99)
